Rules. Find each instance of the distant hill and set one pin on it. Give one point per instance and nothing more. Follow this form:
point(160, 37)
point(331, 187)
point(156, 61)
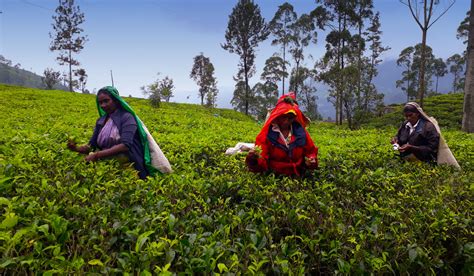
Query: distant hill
point(446, 109)
point(21, 77)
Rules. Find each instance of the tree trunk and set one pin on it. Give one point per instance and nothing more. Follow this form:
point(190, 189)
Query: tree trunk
point(70, 72)
point(284, 70)
point(246, 71)
point(297, 77)
point(421, 88)
point(468, 110)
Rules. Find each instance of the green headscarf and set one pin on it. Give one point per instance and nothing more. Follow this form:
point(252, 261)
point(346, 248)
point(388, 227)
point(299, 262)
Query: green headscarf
point(113, 92)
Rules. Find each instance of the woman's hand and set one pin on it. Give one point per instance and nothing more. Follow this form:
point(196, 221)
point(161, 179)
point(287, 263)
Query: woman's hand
point(394, 140)
point(92, 157)
point(252, 157)
point(72, 145)
point(405, 147)
point(84, 149)
point(311, 162)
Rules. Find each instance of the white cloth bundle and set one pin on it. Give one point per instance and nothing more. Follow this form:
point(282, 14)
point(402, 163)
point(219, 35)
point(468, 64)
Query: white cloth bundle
point(158, 159)
point(240, 147)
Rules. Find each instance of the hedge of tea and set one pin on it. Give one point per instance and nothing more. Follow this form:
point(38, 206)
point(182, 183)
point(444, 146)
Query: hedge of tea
point(363, 211)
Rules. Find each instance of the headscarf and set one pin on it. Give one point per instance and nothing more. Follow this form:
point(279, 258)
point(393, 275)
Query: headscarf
point(285, 104)
point(445, 156)
point(113, 92)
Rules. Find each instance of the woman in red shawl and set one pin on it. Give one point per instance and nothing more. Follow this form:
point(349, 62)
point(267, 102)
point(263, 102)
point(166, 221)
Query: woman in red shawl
point(286, 147)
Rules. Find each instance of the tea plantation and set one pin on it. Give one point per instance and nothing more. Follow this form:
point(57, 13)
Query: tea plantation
point(364, 211)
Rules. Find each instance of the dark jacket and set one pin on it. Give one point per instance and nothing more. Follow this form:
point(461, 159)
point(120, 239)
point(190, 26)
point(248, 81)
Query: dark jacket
point(425, 137)
point(127, 126)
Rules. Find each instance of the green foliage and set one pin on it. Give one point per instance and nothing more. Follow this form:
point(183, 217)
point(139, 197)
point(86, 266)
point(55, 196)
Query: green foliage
point(363, 212)
point(446, 109)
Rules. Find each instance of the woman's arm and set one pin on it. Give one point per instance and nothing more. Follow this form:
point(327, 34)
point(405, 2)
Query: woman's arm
point(258, 162)
point(310, 153)
point(117, 149)
point(84, 149)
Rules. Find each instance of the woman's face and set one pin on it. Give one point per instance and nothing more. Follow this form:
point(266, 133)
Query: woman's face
point(284, 121)
point(412, 117)
point(106, 103)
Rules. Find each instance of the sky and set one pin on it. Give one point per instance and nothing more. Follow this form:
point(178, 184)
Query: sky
point(137, 39)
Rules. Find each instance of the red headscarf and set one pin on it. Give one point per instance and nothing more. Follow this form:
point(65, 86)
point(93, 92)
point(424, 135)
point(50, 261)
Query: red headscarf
point(285, 104)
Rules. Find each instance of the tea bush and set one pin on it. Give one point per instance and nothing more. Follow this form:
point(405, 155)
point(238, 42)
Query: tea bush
point(364, 211)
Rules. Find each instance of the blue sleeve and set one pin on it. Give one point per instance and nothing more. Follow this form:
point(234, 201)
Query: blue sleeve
point(128, 129)
point(93, 140)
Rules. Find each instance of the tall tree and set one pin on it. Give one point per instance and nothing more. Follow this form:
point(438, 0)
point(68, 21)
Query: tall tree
point(203, 74)
point(307, 91)
point(423, 11)
point(303, 32)
point(440, 70)
point(373, 39)
point(280, 27)
point(468, 109)
point(456, 67)
point(407, 82)
point(50, 78)
point(245, 30)
point(353, 50)
point(339, 17)
point(66, 37)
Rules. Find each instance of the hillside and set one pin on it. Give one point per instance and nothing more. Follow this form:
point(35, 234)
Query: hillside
point(17, 76)
point(446, 109)
point(364, 211)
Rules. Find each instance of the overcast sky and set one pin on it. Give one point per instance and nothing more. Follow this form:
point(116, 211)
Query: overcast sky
point(136, 39)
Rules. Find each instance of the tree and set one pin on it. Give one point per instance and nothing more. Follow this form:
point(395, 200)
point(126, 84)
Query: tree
point(468, 108)
point(303, 32)
point(82, 79)
point(353, 50)
point(211, 96)
point(5, 61)
point(66, 37)
point(242, 100)
point(280, 27)
point(50, 78)
point(428, 60)
point(158, 90)
point(440, 70)
point(266, 96)
point(305, 80)
point(410, 58)
point(463, 30)
point(245, 30)
point(274, 70)
point(372, 99)
point(456, 67)
point(423, 11)
point(203, 74)
point(339, 16)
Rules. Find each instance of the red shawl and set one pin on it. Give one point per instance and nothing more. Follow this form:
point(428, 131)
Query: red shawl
point(286, 103)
